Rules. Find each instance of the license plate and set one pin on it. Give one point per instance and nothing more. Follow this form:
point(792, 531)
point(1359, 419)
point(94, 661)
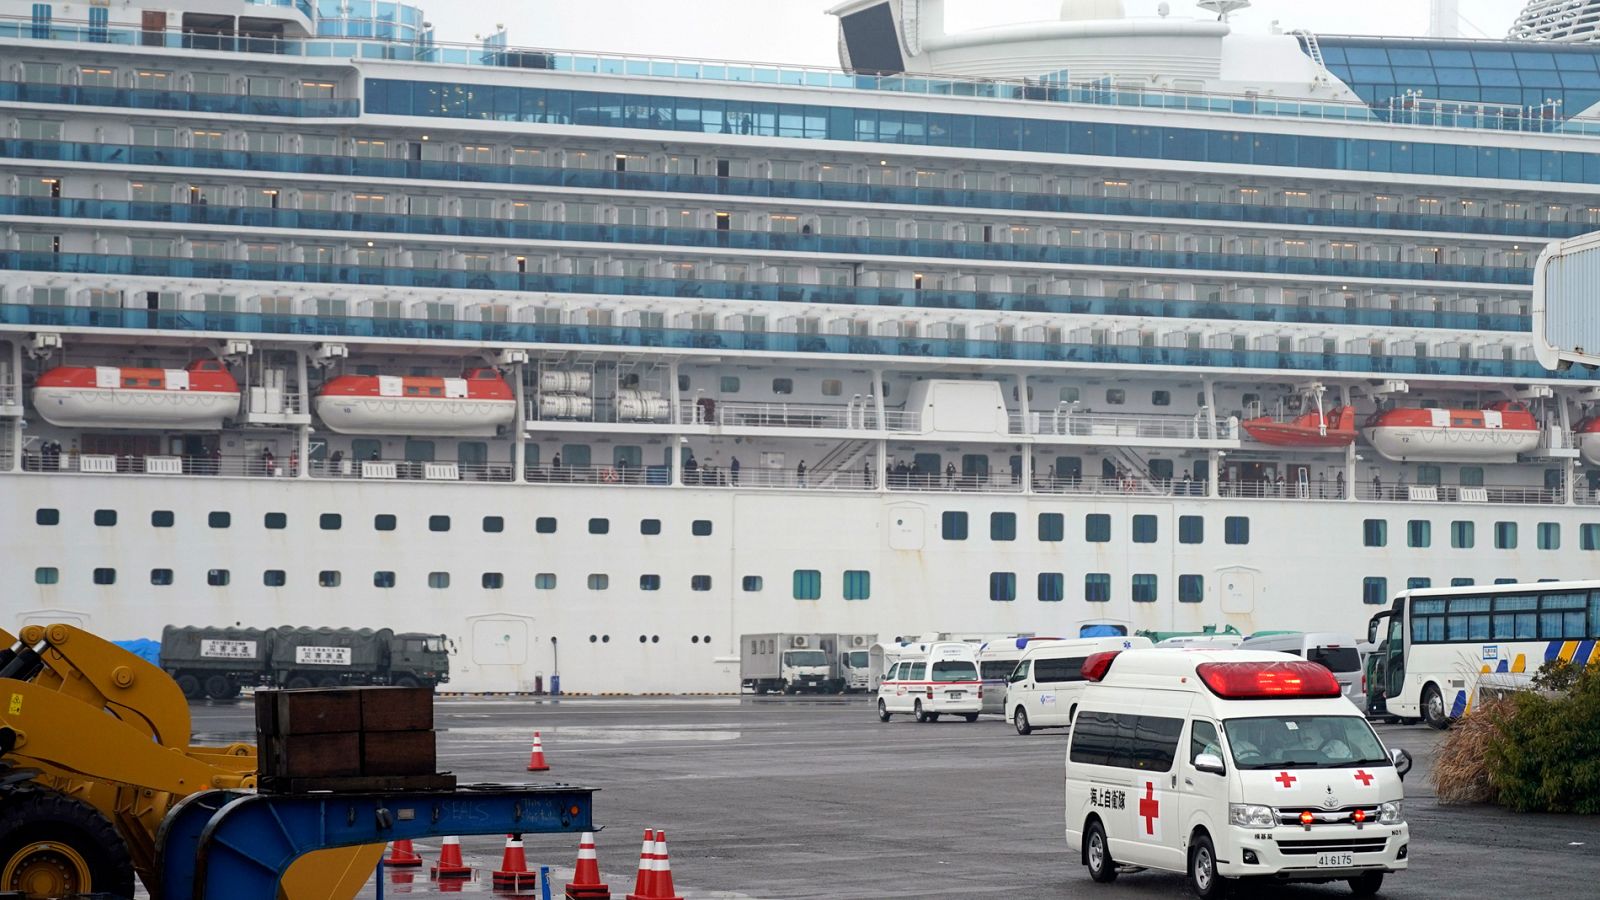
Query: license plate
point(1335, 860)
point(955, 695)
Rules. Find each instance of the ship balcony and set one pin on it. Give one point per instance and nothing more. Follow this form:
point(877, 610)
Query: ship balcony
point(10, 402)
point(1066, 425)
point(855, 416)
point(1521, 494)
point(273, 406)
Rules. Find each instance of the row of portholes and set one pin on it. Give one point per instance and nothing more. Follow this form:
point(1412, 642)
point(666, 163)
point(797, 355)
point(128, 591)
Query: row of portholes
point(648, 639)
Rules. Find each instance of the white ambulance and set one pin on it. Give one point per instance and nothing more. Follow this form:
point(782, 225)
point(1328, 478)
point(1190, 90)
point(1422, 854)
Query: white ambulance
point(1230, 764)
point(1044, 687)
point(943, 679)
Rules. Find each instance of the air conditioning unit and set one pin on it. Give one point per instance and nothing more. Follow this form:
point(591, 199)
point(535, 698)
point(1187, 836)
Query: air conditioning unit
point(798, 641)
point(859, 640)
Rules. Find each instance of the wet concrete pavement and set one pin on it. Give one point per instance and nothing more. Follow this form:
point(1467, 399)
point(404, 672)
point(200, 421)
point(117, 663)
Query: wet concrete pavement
point(812, 797)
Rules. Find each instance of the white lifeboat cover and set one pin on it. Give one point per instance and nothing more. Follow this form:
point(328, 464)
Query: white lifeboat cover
point(455, 388)
point(390, 386)
point(1493, 419)
point(176, 379)
point(107, 377)
point(1440, 418)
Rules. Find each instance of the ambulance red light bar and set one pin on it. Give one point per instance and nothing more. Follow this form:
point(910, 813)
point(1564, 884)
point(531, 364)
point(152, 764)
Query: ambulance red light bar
point(1096, 665)
point(1267, 680)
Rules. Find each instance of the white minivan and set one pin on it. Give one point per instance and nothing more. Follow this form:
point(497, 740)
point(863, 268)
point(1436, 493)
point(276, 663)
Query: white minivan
point(1044, 687)
point(1338, 652)
point(942, 680)
point(1230, 764)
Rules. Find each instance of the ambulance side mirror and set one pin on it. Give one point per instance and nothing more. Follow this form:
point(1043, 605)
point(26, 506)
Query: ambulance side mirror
point(1402, 762)
point(1209, 762)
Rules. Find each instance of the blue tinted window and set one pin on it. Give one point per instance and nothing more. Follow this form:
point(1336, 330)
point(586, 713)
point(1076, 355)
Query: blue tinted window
point(1002, 586)
point(1191, 588)
point(1097, 528)
point(1052, 587)
point(1097, 587)
point(1236, 530)
point(1144, 529)
point(1002, 526)
point(954, 525)
point(1052, 527)
point(1191, 529)
point(1144, 588)
point(1374, 591)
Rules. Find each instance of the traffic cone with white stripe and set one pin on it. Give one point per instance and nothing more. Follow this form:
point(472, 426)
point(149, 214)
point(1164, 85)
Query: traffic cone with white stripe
point(643, 888)
point(513, 874)
point(403, 856)
point(536, 761)
point(663, 880)
point(450, 864)
point(586, 884)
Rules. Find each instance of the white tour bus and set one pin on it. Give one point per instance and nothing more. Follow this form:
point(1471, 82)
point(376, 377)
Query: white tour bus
point(1043, 689)
point(1435, 644)
point(997, 659)
point(941, 679)
point(1230, 764)
point(1339, 652)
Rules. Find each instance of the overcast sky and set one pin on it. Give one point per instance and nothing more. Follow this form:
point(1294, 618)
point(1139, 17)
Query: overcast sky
point(799, 31)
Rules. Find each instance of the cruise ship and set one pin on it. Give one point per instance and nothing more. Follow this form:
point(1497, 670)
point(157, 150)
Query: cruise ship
point(594, 363)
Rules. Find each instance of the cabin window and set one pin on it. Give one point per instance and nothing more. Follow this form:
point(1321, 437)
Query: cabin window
point(1549, 536)
point(1002, 526)
point(832, 387)
point(599, 526)
point(269, 578)
point(783, 386)
point(1419, 533)
point(1097, 528)
point(700, 582)
point(1191, 588)
point(700, 527)
point(649, 526)
point(438, 523)
point(954, 525)
point(1462, 582)
point(47, 516)
point(1589, 536)
point(105, 518)
point(1052, 587)
point(1505, 535)
point(857, 584)
point(329, 578)
point(1160, 398)
point(1144, 529)
point(807, 584)
point(1463, 535)
point(1002, 586)
point(161, 577)
point(335, 521)
point(729, 384)
point(382, 522)
point(545, 525)
point(649, 582)
point(46, 575)
point(276, 521)
point(1116, 396)
point(545, 581)
point(221, 577)
point(1374, 590)
point(219, 519)
point(438, 580)
point(599, 582)
point(383, 579)
point(1191, 529)
point(1097, 587)
point(1144, 588)
point(161, 518)
point(752, 584)
point(1415, 583)
point(1052, 527)
point(1374, 532)
point(494, 581)
point(105, 576)
point(1236, 530)
point(493, 524)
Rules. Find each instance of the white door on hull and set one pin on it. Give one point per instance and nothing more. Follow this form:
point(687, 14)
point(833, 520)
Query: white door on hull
point(906, 523)
point(1238, 591)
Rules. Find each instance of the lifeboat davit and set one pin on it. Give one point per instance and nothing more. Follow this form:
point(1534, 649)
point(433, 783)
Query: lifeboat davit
point(199, 397)
point(475, 405)
point(1330, 431)
point(1588, 432)
point(1497, 433)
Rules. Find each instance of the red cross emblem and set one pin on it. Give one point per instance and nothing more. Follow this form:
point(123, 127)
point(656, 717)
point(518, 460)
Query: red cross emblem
point(1149, 808)
point(1285, 779)
point(1364, 777)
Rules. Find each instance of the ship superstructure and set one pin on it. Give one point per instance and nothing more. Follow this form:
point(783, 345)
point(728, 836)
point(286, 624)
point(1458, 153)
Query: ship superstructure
point(595, 363)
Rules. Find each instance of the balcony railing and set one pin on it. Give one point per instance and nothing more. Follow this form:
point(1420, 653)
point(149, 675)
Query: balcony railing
point(1068, 423)
point(860, 416)
point(141, 98)
point(1450, 493)
point(688, 339)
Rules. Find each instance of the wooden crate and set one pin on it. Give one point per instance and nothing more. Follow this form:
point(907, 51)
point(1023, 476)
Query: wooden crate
point(398, 753)
point(311, 755)
point(308, 711)
point(396, 709)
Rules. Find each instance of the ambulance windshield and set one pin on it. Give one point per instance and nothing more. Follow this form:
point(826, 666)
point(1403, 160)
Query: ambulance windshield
point(946, 670)
point(1321, 742)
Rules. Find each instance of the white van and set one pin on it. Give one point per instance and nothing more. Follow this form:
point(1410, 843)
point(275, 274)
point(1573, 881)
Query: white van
point(1043, 689)
point(944, 679)
point(1204, 641)
point(1340, 653)
point(1230, 764)
point(996, 661)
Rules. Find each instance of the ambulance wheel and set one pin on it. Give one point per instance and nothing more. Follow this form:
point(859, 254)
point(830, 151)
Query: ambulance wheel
point(970, 717)
point(883, 711)
point(1020, 720)
point(217, 687)
point(1097, 855)
point(1203, 877)
point(190, 686)
point(916, 710)
point(1433, 708)
point(1366, 884)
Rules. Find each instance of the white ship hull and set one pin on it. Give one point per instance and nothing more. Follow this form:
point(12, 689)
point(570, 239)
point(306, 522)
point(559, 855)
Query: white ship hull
point(116, 408)
point(1426, 444)
point(392, 415)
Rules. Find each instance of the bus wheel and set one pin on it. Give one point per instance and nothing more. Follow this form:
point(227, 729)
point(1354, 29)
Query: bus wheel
point(1097, 855)
point(916, 710)
point(1433, 708)
point(883, 711)
point(1020, 719)
point(1203, 877)
point(1367, 884)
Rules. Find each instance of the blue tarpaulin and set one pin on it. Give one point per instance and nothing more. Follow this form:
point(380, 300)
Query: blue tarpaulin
point(144, 648)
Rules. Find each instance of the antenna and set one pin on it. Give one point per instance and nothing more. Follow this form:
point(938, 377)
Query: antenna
point(1224, 8)
point(1444, 19)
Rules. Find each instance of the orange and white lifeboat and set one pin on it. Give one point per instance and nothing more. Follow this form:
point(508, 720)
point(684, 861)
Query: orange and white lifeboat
point(1497, 433)
point(1314, 430)
point(1588, 433)
point(200, 396)
point(475, 405)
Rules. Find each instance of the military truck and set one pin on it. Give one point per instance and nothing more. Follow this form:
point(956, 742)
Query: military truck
point(219, 662)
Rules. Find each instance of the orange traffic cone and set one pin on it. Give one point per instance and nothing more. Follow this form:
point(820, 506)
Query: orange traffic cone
point(586, 884)
point(663, 879)
point(403, 855)
point(536, 761)
point(643, 888)
point(513, 874)
point(450, 864)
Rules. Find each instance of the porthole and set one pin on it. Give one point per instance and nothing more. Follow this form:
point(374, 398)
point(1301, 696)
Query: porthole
point(593, 638)
point(706, 639)
point(642, 638)
point(605, 638)
point(694, 639)
point(655, 638)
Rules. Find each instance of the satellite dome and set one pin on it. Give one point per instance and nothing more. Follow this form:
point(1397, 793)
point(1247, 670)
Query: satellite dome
point(1089, 10)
